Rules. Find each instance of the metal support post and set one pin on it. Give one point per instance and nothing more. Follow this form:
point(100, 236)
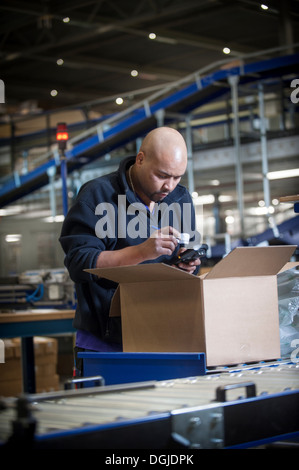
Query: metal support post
point(62, 138)
point(51, 174)
point(190, 155)
point(25, 162)
point(282, 111)
point(138, 144)
point(233, 81)
point(63, 171)
point(227, 127)
point(263, 137)
point(219, 228)
point(160, 117)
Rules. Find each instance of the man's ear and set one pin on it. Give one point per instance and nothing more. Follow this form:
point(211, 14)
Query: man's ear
point(140, 158)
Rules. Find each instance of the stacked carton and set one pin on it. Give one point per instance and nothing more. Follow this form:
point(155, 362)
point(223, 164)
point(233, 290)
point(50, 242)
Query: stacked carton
point(45, 361)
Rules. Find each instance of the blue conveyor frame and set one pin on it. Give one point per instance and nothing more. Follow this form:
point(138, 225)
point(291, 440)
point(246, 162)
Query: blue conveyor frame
point(130, 126)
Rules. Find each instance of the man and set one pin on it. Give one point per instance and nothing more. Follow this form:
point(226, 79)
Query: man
point(111, 224)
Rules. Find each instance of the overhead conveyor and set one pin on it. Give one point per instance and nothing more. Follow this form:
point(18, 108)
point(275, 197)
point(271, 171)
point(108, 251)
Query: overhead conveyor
point(116, 131)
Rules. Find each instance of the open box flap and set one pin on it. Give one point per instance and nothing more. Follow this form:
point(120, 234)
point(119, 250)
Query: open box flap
point(252, 261)
point(141, 273)
point(290, 265)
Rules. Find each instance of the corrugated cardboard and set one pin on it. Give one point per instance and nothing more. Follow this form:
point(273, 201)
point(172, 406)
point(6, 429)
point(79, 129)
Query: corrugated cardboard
point(45, 361)
point(288, 266)
point(230, 313)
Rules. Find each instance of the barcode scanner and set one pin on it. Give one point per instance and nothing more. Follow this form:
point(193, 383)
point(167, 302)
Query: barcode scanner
point(190, 254)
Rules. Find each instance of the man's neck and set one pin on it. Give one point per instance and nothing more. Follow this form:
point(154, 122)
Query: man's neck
point(134, 186)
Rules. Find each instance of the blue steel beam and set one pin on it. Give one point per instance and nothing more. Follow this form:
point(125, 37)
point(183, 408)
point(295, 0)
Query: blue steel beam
point(288, 235)
point(141, 121)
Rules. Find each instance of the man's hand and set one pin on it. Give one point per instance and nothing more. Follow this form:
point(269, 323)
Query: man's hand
point(189, 267)
point(161, 242)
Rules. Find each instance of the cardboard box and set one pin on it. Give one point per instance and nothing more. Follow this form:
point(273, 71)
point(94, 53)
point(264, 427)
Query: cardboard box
point(13, 388)
point(229, 313)
point(45, 362)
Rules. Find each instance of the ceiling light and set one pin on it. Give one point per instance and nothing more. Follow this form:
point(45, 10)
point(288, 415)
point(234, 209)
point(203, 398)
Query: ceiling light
point(11, 210)
point(226, 50)
point(54, 93)
point(13, 238)
point(59, 61)
point(206, 199)
point(66, 19)
point(134, 73)
point(119, 100)
point(261, 210)
point(56, 218)
point(225, 198)
point(152, 35)
point(229, 219)
point(264, 7)
point(277, 175)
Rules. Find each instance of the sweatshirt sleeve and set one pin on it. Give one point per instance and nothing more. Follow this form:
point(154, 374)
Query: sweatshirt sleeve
point(79, 241)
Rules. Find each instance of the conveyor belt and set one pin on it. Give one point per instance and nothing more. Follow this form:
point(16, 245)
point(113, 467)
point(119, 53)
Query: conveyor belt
point(121, 409)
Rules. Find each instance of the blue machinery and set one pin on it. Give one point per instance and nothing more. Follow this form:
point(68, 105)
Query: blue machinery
point(235, 407)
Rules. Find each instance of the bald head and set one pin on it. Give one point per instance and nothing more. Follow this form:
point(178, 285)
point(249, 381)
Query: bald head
point(160, 164)
point(165, 144)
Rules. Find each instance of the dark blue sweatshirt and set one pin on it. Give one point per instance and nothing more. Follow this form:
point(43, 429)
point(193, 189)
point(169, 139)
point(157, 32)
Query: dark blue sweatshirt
point(97, 221)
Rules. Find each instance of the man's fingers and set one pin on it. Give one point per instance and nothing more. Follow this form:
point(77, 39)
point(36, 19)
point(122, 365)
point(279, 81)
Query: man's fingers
point(167, 232)
point(170, 231)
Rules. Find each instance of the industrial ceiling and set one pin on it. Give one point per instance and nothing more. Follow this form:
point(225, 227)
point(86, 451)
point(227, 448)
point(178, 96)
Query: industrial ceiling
point(100, 43)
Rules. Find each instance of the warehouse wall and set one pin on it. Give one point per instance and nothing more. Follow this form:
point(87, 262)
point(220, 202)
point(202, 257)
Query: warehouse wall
point(36, 248)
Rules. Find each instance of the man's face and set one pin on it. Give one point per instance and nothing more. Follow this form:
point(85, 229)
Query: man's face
point(159, 177)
